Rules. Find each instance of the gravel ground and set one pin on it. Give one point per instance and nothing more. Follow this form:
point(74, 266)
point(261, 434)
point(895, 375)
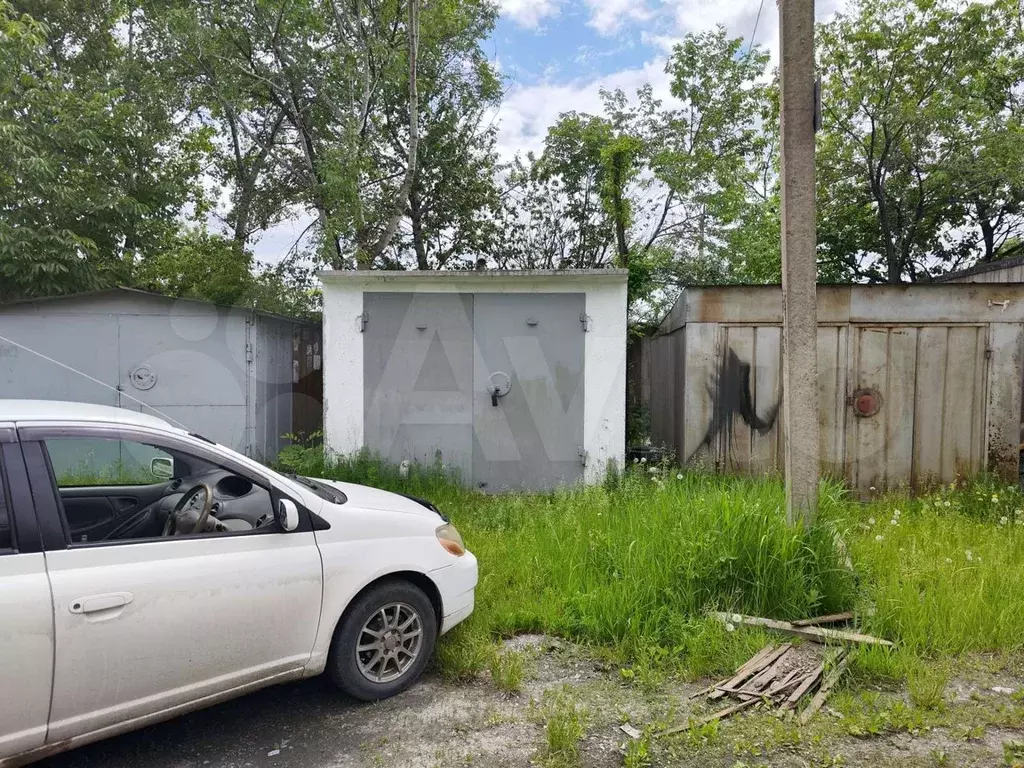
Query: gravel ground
point(438, 724)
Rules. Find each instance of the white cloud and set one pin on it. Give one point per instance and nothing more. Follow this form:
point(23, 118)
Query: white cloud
point(529, 13)
point(741, 18)
point(608, 16)
point(528, 111)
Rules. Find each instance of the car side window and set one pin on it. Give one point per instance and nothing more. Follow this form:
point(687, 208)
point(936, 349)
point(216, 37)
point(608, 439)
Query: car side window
point(92, 461)
point(114, 490)
point(6, 529)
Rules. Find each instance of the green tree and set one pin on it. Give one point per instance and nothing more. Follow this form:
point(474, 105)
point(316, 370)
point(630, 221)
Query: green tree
point(199, 265)
point(367, 113)
point(535, 227)
point(920, 154)
point(450, 211)
point(98, 169)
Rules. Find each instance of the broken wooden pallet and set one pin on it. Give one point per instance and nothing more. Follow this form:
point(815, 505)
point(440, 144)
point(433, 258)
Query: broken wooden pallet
point(773, 677)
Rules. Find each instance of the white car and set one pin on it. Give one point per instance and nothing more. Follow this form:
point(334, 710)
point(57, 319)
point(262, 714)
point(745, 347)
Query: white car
point(146, 571)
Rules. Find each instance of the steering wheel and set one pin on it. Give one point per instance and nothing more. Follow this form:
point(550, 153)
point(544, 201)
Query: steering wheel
point(185, 512)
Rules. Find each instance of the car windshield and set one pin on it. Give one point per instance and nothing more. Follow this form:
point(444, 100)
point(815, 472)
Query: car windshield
point(322, 490)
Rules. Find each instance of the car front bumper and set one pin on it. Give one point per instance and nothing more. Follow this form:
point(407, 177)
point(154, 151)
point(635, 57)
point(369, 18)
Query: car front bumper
point(457, 585)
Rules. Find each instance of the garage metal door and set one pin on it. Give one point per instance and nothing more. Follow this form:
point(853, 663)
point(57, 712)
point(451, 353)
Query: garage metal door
point(418, 378)
point(532, 345)
point(917, 404)
point(490, 385)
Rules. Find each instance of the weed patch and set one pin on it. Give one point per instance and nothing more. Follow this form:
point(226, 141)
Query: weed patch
point(565, 725)
point(635, 565)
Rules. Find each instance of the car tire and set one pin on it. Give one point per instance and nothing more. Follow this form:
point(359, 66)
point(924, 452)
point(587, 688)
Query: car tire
point(365, 660)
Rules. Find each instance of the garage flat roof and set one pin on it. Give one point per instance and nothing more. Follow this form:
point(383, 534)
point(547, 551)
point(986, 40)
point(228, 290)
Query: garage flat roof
point(417, 275)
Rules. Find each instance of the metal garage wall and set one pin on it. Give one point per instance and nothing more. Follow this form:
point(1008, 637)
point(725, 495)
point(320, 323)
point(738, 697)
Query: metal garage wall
point(224, 372)
point(916, 384)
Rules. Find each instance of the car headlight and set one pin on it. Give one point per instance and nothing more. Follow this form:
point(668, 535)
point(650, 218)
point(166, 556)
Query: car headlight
point(451, 540)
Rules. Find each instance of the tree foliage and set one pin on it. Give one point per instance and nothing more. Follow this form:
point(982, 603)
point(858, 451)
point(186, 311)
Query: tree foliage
point(96, 168)
point(155, 142)
point(920, 160)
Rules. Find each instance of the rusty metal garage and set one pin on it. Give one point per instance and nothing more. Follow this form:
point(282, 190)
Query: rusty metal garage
point(917, 384)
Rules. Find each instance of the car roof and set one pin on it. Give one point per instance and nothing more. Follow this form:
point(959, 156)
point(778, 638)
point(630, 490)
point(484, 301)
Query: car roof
point(20, 411)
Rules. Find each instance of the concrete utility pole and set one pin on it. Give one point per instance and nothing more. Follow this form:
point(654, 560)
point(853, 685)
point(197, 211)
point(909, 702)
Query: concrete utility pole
point(799, 267)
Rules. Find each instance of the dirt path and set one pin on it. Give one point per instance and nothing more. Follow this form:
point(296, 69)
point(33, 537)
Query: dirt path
point(308, 725)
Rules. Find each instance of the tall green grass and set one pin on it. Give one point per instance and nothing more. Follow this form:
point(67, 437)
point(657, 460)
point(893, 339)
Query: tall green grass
point(943, 573)
point(636, 565)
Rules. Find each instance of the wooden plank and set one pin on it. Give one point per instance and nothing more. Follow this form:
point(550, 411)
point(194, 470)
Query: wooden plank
point(775, 689)
point(808, 682)
point(738, 442)
point(699, 380)
point(929, 396)
point(822, 694)
point(679, 374)
point(789, 681)
point(832, 618)
point(770, 672)
point(898, 406)
point(728, 711)
point(766, 672)
point(710, 718)
point(957, 403)
point(1005, 378)
point(766, 391)
point(815, 634)
point(930, 303)
point(756, 659)
point(869, 433)
point(754, 669)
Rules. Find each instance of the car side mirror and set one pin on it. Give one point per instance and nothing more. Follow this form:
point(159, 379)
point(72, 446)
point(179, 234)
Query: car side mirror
point(162, 467)
point(287, 514)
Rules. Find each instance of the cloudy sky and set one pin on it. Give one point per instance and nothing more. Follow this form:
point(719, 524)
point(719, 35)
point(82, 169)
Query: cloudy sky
point(556, 56)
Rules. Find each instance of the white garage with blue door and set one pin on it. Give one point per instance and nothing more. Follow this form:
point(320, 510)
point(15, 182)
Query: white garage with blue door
point(513, 380)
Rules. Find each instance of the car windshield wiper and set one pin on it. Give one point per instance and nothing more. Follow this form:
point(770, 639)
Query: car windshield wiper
point(323, 491)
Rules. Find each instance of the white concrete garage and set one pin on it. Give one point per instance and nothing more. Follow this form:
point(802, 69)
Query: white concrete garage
point(514, 380)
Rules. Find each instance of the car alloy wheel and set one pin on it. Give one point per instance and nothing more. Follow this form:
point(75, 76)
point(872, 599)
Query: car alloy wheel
point(389, 643)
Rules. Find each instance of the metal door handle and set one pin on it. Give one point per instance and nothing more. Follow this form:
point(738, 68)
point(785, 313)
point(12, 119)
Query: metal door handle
point(95, 603)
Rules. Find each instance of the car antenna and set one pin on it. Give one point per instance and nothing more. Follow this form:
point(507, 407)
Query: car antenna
point(120, 392)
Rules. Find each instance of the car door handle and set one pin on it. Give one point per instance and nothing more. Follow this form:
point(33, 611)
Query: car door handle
point(95, 603)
